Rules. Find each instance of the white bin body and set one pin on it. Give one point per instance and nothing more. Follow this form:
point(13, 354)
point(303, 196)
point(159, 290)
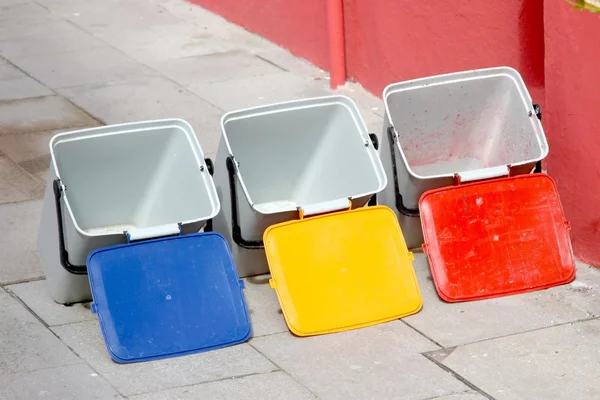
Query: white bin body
point(467, 123)
point(298, 154)
point(138, 177)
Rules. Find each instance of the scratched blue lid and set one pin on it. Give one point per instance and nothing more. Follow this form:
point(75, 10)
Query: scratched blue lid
point(168, 297)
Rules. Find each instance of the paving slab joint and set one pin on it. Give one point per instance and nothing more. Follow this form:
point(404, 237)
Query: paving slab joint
point(456, 375)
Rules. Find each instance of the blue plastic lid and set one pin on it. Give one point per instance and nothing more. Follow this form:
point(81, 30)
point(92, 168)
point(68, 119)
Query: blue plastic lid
point(168, 297)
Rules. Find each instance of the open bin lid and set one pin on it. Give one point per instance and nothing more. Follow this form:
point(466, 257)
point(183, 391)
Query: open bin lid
point(496, 237)
point(168, 297)
point(340, 271)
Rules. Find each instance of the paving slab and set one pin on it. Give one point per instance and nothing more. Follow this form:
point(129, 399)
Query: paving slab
point(451, 324)
point(25, 344)
point(30, 151)
point(16, 184)
point(265, 312)
point(151, 376)
point(149, 99)
point(554, 363)
point(22, 88)
point(53, 36)
point(19, 222)
point(82, 67)
point(18, 17)
point(215, 67)
point(379, 362)
point(41, 114)
point(156, 43)
point(76, 382)
point(255, 91)
point(35, 295)
point(96, 16)
point(272, 386)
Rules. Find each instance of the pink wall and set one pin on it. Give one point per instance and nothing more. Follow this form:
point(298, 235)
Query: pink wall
point(393, 41)
point(554, 47)
point(572, 120)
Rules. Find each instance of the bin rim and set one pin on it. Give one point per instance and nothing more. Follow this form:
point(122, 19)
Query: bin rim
point(467, 75)
point(108, 130)
point(291, 105)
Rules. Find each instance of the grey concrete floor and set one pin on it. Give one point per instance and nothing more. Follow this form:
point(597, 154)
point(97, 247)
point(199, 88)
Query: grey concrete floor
point(68, 64)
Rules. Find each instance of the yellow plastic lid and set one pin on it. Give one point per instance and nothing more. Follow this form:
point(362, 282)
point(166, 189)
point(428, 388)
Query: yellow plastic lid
point(341, 271)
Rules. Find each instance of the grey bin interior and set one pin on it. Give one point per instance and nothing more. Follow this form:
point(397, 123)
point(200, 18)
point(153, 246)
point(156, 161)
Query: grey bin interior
point(141, 179)
point(461, 122)
point(312, 154)
point(303, 155)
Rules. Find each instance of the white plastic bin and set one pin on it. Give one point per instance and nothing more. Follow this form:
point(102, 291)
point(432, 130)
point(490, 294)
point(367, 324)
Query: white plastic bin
point(462, 126)
point(313, 153)
point(144, 179)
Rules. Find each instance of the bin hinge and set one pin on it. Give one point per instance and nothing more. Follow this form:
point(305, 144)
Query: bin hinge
point(94, 308)
point(153, 232)
point(325, 207)
point(482, 173)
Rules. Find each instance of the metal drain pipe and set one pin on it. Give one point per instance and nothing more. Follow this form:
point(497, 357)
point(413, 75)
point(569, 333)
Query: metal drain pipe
point(337, 50)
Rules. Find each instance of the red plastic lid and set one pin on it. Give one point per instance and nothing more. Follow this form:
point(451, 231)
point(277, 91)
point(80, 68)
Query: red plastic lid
point(496, 237)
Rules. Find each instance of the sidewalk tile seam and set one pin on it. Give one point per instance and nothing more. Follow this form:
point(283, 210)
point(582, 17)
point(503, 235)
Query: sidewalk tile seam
point(55, 94)
point(457, 376)
point(5, 285)
point(41, 321)
point(450, 394)
point(422, 334)
point(282, 369)
point(270, 62)
point(43, 369)
point(578, 321)
point(18, 299)
point(205, 382)
point(221, 80)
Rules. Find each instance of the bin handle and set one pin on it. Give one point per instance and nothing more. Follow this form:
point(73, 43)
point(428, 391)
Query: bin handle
point(211, 170)
point(375, 141)
point(62, 251)
point(409, 212)
point(538, 113)
point(236, 231)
